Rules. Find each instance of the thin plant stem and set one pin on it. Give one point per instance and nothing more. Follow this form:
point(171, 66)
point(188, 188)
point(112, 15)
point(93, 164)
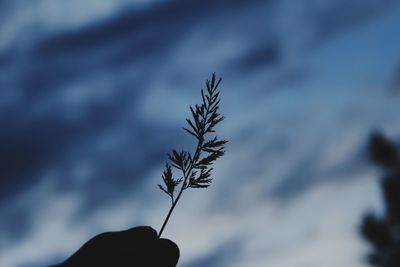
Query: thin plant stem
point(169, 213)
point(174, 202)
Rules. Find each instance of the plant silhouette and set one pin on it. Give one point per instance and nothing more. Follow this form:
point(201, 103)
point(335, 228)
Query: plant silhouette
point(383, 233)
point(196, 168)
point(142, 246)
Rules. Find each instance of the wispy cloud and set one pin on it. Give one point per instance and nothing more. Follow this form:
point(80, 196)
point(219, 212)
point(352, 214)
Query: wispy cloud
point(91, 103)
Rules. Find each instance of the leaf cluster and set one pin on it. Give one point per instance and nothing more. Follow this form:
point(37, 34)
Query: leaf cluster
point(196, 168)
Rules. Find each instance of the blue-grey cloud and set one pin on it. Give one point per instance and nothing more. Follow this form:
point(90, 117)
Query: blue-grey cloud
point(89, 112)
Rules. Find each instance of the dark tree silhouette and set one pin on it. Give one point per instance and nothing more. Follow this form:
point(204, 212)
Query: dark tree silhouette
point(383, 232)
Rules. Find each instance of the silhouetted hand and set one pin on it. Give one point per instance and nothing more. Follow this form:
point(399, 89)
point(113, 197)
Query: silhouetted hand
point(137, 246)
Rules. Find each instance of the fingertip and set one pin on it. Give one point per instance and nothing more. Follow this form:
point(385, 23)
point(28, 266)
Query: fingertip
point(168, 243)
point(137, 235)
point(168, 251)
point(144, 231)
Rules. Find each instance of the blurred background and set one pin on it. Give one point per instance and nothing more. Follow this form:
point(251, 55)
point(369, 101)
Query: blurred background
point(93, 95)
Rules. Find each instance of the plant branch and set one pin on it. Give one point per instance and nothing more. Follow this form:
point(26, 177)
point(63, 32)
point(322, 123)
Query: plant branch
point(183, 187)
point(204, 119)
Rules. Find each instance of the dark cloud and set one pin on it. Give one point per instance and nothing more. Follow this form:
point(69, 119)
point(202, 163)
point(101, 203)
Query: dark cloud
point(6, 58)
point(28, 149)
point(18, 222)
point(261, 57)
point(341, 16)
point(43, 69)
point(31, 145)
point(140, 31)
point(299, 180)
point(395, 83)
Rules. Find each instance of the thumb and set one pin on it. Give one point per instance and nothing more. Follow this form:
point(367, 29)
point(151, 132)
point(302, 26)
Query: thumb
point(167, 253)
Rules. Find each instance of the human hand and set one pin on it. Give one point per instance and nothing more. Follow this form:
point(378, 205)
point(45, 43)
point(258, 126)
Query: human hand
point(137, 246)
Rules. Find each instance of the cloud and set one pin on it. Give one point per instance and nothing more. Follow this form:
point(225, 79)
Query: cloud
point(98, 106)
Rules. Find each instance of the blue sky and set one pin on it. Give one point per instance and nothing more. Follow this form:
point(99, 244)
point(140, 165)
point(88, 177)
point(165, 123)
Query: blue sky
point(94, 95)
